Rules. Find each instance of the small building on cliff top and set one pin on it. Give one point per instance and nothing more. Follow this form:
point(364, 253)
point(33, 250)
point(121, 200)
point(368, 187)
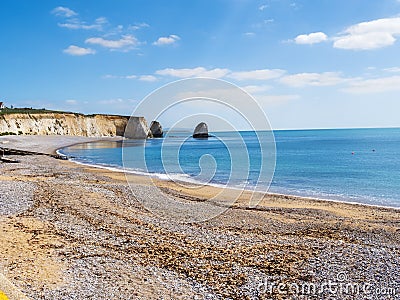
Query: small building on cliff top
point(1, 105)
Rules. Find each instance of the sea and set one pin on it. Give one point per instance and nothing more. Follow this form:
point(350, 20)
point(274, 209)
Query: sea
point(350, 165)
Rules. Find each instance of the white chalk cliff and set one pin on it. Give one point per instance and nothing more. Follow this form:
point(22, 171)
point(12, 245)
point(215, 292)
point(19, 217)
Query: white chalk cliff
point(72, 124)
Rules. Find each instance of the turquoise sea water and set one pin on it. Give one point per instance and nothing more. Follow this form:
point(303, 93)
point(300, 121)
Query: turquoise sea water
point(355, 165)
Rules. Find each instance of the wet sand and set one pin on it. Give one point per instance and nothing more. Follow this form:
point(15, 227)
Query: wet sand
point(69, 231)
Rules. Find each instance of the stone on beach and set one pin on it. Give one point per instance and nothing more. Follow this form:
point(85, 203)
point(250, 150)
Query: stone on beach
point(69, 231)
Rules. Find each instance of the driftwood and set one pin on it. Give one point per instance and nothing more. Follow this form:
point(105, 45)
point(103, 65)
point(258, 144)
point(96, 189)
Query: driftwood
point(8, 160)
point(8, 151)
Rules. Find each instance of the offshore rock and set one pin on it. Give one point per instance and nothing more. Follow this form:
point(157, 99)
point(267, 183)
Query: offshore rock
point(156, 129)
point(137, 128)
point(201, 131)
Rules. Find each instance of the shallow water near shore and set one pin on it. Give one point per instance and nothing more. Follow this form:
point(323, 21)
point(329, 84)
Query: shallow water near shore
point(351, 165)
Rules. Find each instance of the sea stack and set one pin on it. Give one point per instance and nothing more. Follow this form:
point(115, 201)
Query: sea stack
point(156, 129)
point(201, 131)
point(137, 128)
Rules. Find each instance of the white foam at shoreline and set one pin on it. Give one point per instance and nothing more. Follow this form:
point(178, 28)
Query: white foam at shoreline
point(187, 179)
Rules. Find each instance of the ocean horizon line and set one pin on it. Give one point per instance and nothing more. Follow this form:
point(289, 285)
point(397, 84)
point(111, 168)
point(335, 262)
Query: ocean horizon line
point(189, 130)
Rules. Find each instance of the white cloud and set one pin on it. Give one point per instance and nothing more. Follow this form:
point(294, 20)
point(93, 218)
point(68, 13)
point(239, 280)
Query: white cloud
point(263, 23)
point(264, 74)
point(377, 85)
point(126, 42)
point(393, 69)
point(275, 99)
point(249, 34)
point(167, 40)
point(195, 72)
point(138, 26)
point(119, 103)
point(64, 12)
point(71, 102)
point(77, 24)
point(313, 79)
point(263, 7)
point(109, 76)
point(112, 101)
point(311, 38)
point(78, 51)
point(367, 41)
point(369, 35)
point(73, 22)
point(148, 78)
point(254, 89)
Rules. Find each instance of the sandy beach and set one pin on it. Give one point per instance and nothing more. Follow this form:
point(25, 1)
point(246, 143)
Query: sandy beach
point(69, 231)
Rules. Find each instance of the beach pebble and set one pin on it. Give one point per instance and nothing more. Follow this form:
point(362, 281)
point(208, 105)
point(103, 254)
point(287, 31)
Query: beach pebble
point(15, 197)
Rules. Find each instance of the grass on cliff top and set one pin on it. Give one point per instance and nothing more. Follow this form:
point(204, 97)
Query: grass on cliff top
point(7, 111)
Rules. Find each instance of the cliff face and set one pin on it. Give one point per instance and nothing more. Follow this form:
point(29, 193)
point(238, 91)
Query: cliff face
point(70, 124)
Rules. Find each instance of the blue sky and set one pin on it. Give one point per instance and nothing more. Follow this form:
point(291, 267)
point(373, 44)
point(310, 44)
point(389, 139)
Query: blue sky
point(310, 64)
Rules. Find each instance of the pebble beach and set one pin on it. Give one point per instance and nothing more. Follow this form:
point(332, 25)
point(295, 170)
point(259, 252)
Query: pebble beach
point(70, 231)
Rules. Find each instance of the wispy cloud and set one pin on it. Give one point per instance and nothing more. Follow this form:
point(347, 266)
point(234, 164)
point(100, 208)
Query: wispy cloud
point(275, 99)
point(125, 43)
point(71, 102)
point(77, 24)
point(148, 78)
point(72, 21)
point(264, 74)
point(109, 76)
point(63, 12)
point(311, 38)
point(263, 23)
point(249, 34)
point(256, 79)
point(123, 106)
point(167, 40)
point(393, 69)
point(313, 79)
point(194, 72)
point(376, 85)
point(254, 89)
point(111, 37)
point(78, 51)
point(263, 7)
point(138, 26)
point(117, 101)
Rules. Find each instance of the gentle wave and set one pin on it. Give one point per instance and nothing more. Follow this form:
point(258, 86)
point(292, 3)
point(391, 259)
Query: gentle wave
point(188, 179)
point(349, 165)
